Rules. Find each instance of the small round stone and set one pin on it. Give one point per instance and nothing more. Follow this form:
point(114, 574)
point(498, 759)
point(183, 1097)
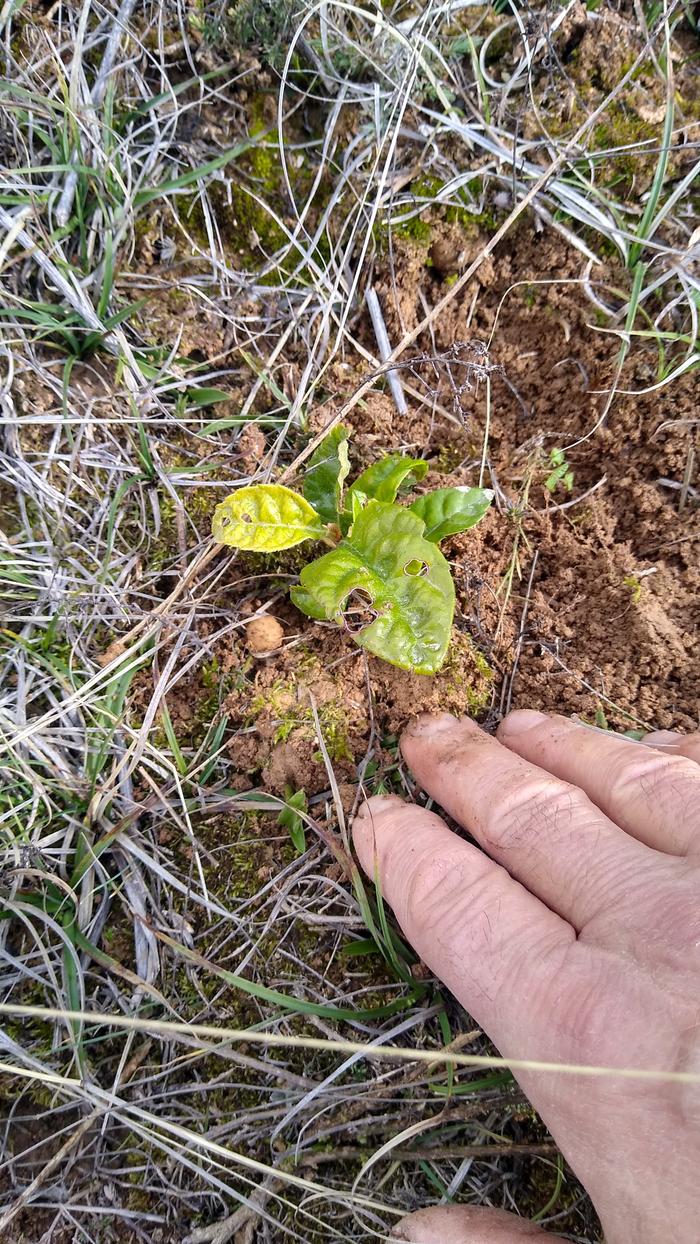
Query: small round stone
point(263, 634)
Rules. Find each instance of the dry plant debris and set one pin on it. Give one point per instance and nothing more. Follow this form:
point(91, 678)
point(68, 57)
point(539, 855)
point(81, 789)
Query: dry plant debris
point(467, 232)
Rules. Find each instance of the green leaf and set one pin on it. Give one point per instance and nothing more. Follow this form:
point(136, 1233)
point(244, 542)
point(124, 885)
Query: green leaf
point(235, 421)
point(561, 474)
point(265, 518)
point(365, 946)
point(205, 397)
point(326, 473)
point(447, 511)
point(290, 819)
point(308, 601)
point(384, 478)
point(388, 585)
point(357, 501)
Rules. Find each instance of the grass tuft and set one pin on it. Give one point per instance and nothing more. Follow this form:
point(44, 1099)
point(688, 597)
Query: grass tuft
point(195, 202)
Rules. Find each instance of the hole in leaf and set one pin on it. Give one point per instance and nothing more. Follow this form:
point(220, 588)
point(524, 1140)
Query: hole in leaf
point(417, 569)
point(225, 521)
point(246, 518)
point(359, 611)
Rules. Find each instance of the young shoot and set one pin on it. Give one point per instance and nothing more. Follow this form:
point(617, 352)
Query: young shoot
point(561, 472)
point(384, 578)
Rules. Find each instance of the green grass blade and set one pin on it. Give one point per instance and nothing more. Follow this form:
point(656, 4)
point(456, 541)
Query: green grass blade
point(192, 176)
point(284, 1001)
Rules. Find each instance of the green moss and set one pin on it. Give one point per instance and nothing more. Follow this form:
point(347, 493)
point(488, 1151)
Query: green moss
point(291, 713)
point(424, 187)
point(334, 728)
point(246, 227)
point(211, 674)
point(257, 183)
point(198, 504)
point(622, 128)
point(634, 587)
point(248, 231)
point(263, 159)
point(467, 675)
point(233, 873)
point(414, 230)
point(461, 212)
point(448, 458)
point(689, 105)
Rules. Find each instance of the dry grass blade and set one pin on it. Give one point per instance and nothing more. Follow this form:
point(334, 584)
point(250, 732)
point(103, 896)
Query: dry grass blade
point(225, 230)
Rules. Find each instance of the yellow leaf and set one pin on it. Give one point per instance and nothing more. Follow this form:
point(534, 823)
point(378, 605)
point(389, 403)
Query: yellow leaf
point(265, 518)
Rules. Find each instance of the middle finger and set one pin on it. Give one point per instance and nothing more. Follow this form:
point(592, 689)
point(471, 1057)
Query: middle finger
point(546, 832)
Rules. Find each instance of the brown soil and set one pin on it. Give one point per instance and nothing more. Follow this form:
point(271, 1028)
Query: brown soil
point(584, 610)
point(353, 697)
point(614, 607)
point(589, 609)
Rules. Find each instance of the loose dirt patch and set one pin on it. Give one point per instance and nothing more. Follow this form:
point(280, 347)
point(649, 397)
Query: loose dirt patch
point(583, 601)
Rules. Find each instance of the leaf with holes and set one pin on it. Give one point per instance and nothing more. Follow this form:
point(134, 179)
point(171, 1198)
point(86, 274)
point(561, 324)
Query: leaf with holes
point(388, 585)
point(447, 511)
point(265, 518)
point(326, 473)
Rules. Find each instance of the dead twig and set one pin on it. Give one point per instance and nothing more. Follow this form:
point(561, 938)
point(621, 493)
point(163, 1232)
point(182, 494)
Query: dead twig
point(240, 1225)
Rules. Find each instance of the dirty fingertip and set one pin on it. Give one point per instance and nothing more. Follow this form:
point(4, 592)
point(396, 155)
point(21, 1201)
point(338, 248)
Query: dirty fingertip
point(428, 725)
point(466, 1224)
point(431, 1226)
point(424, 1226)
point(662, 738)
point(520, 720)
point(375, 806)
point(402, 1231)
point(366, 823)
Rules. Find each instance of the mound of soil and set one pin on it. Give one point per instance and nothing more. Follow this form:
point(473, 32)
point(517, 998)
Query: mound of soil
point(325, 685)
point(583, 600)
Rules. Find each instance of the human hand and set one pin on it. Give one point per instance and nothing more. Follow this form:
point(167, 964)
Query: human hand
point(577, 942)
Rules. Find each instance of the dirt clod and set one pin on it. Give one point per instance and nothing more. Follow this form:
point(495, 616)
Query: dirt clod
point(264, 634)
point(251, 447)
point(448, 253)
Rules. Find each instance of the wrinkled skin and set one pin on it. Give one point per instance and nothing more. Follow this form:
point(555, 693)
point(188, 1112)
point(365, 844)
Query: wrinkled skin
point(573, 936)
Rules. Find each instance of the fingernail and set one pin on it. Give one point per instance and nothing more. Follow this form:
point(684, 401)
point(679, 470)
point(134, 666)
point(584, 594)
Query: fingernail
point(662, 738)
point(428, 725)
point(374, 806)
point(520, 720)
point(402, 1232)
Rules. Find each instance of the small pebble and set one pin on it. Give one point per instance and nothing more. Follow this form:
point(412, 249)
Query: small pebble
point(263, 634)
